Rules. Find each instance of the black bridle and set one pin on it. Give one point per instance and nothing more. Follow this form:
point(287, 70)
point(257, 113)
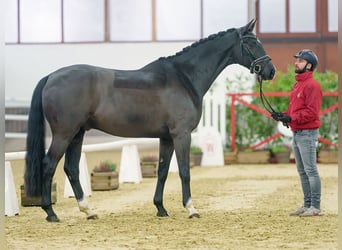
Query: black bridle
point(256, 62)
point(256, 66)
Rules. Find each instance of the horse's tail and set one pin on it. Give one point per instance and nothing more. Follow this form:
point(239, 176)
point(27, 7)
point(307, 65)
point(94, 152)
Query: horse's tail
point(35, 143)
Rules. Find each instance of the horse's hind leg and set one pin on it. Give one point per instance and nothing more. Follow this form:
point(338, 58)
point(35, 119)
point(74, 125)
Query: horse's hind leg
point(71, 168)
point(165, 154)
point(50, 161)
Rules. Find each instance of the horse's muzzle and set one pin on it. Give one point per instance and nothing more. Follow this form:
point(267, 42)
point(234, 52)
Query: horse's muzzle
point(268, 71)
point(263, 67)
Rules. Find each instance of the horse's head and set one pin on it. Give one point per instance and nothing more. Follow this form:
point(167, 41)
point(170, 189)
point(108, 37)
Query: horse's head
point(252, 54)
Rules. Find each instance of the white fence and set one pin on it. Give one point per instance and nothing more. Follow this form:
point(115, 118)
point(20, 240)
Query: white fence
point(214, 111)
point(16, 117)
point(94, 147)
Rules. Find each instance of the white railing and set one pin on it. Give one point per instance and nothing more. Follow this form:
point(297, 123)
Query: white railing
point(16, 117)
point(95, 147)
point(9, 117)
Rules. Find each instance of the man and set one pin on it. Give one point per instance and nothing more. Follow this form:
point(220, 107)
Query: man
point(302, 116)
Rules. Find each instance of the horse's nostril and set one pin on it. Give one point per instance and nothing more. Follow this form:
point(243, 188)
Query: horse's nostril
point(272, 73)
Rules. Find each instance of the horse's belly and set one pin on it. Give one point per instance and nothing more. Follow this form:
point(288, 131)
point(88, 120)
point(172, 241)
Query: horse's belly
point(133, 132)
point(132, 127)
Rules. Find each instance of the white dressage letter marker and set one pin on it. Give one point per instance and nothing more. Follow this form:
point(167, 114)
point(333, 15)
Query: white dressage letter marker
point(211, 144)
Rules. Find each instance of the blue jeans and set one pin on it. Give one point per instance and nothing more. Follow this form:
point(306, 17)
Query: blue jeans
point(304, 149)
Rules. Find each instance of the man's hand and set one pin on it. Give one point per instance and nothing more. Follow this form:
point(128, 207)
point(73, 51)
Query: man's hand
point(285, 118)
point(277, 115)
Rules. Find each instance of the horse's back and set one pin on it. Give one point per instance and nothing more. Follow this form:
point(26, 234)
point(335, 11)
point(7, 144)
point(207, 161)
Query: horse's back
point(81, 79)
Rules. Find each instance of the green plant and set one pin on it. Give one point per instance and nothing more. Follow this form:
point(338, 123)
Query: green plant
point(329, 127)
point(281, 144)
point(252, 127)
point(280, 149)
point(106, 166)
point(195, 150)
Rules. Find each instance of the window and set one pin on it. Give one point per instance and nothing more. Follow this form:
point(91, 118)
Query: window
point(130, 20)
point(332, 15)
point(293, 18)
point(299, 21)
point(84, 20)
point(11, 18)
point(178, 20)
point(40, 21)
point(219, 15)
point(272, 16)
point(64, 21)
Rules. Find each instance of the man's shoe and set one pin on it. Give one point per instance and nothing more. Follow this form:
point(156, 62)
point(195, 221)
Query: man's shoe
point(312, 211)
point(299, 211)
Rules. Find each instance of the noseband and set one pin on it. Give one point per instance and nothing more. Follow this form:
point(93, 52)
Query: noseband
point(256, 62)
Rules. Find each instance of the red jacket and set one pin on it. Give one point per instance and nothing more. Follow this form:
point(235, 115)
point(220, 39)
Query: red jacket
point(305, 103)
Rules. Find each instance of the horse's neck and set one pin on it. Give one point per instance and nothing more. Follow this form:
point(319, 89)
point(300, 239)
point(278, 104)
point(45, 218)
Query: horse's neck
point(202, 64)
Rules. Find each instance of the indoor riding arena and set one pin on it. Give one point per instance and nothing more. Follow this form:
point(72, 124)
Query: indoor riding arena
point(109, 86)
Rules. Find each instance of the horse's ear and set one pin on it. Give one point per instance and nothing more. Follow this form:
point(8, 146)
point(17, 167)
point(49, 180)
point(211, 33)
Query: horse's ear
point(249, 27)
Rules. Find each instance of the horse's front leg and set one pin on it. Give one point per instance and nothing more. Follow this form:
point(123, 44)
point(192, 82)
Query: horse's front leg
point(165, 154)
point(182, 148)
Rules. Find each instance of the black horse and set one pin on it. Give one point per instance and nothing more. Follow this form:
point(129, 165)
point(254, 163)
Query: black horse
point(161, 100)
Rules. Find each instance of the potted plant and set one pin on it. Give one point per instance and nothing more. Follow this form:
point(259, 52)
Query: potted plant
point(248, 155)
point(149, 165)
point(105, 176)
point(37, 201)
point(328, 155)
point(195, 156)
point(230, 157)
point(281, 153)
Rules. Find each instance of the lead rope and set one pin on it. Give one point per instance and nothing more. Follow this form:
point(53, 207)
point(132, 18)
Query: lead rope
point(263, 98)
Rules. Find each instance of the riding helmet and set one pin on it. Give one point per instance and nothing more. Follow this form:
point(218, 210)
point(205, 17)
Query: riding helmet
point(309, 56)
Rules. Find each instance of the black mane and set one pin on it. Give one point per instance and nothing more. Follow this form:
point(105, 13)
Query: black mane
point(199, 42)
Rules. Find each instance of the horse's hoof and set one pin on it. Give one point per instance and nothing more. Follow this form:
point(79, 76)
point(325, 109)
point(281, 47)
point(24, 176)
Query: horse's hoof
point(92, 217)
point(52, 218)
point(194, 216)
point(164, 214)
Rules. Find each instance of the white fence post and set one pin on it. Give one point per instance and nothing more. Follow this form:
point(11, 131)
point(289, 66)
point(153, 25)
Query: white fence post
point(11, 200)
point(173, 163)
point(130, 169)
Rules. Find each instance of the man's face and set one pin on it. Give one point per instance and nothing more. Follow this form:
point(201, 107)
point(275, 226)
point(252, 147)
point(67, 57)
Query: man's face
point(301, 65)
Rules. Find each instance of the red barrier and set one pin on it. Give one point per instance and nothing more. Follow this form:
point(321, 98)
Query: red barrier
point(236, 97)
